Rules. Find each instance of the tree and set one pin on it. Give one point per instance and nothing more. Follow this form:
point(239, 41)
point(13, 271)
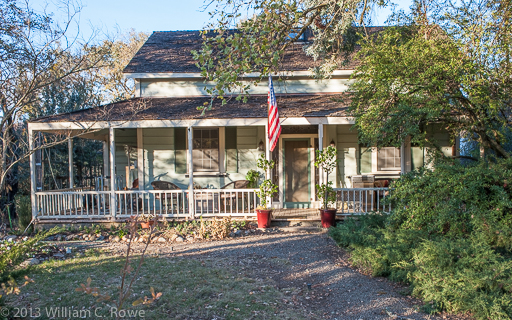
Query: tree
point(267, 28)
point(45, 71)
point(446, 63)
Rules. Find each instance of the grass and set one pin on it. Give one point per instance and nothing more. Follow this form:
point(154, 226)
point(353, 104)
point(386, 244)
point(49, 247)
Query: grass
point(191, 289)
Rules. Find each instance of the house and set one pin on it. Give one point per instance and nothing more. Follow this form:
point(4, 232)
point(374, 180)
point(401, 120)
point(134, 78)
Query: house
point(161, 136)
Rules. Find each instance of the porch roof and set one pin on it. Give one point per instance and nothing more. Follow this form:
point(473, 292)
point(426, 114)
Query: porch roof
point(290, 106)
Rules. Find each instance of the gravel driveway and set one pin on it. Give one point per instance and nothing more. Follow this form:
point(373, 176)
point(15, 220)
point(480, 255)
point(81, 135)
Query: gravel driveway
point(291, 261)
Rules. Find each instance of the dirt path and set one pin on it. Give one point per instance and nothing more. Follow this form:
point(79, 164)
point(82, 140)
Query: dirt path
point(291, 261)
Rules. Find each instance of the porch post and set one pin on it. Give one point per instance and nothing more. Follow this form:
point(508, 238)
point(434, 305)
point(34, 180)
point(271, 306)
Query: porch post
point(70, 162)
point(402, 158)
point(140, 158)
point(106, 169)
point(113, 205)
point(32, 161)
point(190, 173)
point(320, 147)
point(267, 156)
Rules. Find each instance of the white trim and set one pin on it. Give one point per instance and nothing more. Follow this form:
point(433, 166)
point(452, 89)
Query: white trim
point(105, 158)
point(32, 160)
point(41, 126)
point(70, 162)
point(195, 75)
point(140, 158)
point(222, 149)
point(113, 206)
point(190, 133)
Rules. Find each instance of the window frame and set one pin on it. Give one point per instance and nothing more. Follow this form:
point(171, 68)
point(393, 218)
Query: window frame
point(201, 169)
point(381, 168)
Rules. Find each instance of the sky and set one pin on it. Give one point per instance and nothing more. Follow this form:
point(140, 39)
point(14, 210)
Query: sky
point(112, 16)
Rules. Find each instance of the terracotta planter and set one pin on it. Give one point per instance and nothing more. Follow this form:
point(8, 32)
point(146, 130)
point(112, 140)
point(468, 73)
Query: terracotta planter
point(146, 224)
point(264, 217)
point(328, 218)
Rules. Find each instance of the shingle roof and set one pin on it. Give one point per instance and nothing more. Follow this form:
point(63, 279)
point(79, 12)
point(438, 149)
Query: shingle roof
point(171, 52)
point(186, 109)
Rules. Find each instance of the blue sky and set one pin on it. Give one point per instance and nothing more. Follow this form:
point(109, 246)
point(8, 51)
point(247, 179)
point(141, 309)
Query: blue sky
point(153, 15)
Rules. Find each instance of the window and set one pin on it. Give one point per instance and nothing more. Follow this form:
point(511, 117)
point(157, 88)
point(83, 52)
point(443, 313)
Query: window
point(388, 159)
point(205, 151)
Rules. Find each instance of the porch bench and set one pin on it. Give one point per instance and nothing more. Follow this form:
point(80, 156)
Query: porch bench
point(173, 199)
point(230, 199)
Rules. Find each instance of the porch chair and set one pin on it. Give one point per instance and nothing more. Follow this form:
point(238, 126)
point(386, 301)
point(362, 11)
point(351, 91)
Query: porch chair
point(174, 198)
point(232, 198)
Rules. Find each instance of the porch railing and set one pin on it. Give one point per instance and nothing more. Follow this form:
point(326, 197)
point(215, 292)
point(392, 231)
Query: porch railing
point(362, 200)
point(77, 203)
point(80, 203)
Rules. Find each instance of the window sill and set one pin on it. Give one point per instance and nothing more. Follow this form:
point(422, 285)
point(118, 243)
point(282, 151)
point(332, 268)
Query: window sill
point(208, 174)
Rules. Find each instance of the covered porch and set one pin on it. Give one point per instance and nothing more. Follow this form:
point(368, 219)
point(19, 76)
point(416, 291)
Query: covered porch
point(187, 168)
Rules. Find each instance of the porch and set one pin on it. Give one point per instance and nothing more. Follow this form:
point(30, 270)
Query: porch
point(167, 140)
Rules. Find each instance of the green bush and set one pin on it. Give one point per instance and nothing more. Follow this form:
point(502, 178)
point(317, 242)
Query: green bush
point(11, 257)
point(24, 211)
point(449, 236)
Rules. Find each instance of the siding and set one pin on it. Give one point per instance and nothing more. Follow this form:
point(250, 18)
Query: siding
point(158, 155)
point(123, 138)
point(177, 88)
point(348, 148)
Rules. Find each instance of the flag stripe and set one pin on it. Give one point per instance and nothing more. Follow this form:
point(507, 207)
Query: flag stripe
point(274, 128)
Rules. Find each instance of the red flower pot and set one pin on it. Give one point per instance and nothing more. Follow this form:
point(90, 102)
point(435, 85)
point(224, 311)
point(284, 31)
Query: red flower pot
point(264, 217)
point(146, 224)
point(328, 218)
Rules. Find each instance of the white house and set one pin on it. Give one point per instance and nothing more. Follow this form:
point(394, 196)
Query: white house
point(161, 136)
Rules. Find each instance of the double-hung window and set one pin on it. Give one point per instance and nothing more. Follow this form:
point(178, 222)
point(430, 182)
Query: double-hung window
point(388, 159)
point(205, 153)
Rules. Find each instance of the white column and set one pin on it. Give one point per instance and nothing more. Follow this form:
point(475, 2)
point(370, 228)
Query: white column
point(140, 158)
point(70, 163)
point(113, 206)
point(106, 169)
point(190, 172)
point(320, 147)
point(32, 172)
point(402, 158)
point(268, 157)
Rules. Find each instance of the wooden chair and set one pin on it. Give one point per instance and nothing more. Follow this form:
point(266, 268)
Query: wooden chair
point(232, 198)
point(173, 199)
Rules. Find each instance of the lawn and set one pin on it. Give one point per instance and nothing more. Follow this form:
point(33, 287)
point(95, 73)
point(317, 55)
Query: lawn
point(191, 289)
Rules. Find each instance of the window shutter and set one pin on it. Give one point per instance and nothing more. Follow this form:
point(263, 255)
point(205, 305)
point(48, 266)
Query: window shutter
point(180, 148)
point(231, 149)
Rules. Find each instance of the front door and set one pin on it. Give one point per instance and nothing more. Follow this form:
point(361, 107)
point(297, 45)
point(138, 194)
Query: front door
point(297, 191)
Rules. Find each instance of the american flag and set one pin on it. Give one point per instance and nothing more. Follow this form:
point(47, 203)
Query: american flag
point(274, 128)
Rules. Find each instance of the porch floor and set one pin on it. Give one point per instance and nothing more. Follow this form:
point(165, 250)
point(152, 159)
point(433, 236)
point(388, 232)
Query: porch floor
point(301, 214)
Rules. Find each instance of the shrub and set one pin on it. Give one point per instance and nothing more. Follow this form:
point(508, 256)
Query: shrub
point(11, 258)
point(449, 236)
point(24, 211)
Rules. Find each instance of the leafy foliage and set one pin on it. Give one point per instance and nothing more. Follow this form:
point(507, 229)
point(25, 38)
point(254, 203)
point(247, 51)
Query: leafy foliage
point(267, 188)
point(266, 29)
point(448, 237)
point(252, 176)
point(327, 160)
point(18, 252)
point(430, 69)
point(24, 211)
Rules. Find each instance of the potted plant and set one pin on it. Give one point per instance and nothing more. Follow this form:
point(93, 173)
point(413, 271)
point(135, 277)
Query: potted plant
point(146, 220)
point(267, 190)
point(326, 159)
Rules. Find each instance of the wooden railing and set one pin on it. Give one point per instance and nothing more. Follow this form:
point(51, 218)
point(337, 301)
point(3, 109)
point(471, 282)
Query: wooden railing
point(78, 203)
point(362, 200)
point(75, 204)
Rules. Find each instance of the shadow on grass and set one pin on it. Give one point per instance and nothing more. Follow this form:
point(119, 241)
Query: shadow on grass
point(248, 278)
